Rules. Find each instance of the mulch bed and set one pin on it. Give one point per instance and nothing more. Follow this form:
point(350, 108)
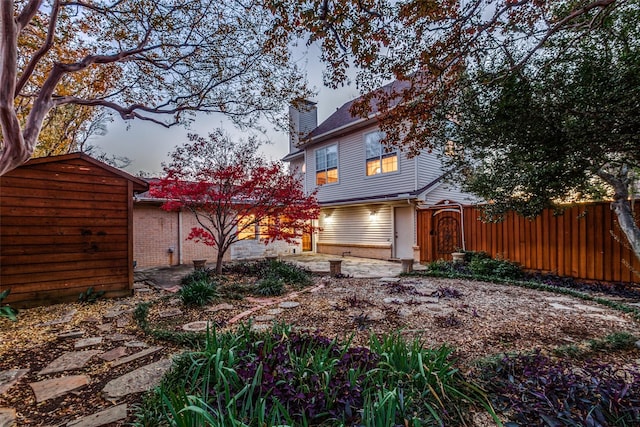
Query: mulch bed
point(478, 319)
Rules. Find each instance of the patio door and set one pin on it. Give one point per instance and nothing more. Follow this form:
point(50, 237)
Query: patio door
point(307, 242)
point(403, 232)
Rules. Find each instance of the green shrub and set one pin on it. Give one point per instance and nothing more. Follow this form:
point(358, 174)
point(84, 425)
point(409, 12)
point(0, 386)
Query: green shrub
point(290, 273)
point(481, 266)
point(271, 285)
point(198, 289)
point(203, 275)
point(90, 296)
point(6, 310)
point(471, 255)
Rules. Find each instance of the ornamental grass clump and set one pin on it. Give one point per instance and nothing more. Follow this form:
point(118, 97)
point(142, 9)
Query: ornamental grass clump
point(283, 377)
point(272, 275)
point(290, 273)
point(271, 285)
point(198, 288)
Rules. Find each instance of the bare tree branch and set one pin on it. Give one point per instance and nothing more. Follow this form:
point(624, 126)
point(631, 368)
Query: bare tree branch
point(46, 46)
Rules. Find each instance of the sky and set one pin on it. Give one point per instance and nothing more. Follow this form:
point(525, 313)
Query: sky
point(148, 144)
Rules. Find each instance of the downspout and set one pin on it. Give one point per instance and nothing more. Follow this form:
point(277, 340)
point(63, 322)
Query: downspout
point(180, 257)
point(415, 173)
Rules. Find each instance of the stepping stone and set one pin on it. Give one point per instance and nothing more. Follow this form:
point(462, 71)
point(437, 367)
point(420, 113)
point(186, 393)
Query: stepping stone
point(588, 308)
point(405, 312)
point(260, 327)
point(114, 354)
point(389, 280)
point(87, 342)
point(91, 319)
point(122, 321)
point(220, 307)
point(559, 306)
point(198, 326)
point(66, 318)
point(112, 314)
point(275, 311)
point(264, 318)
point(606, 317)
point(560, 299)
point(427, 300)
point(118, 311)
point(120, 337)
point(139, 285)
point(9, 378)
point(136, 344)
point(289, 304)
point(142, 379)
point(7, 417)
point(76, 333)
point(108, 416)
point(391, 300)
point(105, 328)
point(136, 356)
point(170, 313)
point(69, 361)
point(375, 315)
point(49, 389)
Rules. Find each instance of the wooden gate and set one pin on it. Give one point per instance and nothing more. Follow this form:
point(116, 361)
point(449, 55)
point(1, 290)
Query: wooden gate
point(440, 231)
point(447, 234)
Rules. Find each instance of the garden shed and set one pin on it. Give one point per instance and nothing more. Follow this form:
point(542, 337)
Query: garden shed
point(66, 224)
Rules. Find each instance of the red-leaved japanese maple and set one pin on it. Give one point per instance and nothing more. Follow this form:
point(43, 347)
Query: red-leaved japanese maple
point(231, 189)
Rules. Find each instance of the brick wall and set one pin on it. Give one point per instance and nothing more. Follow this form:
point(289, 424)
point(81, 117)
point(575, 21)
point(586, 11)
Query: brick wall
point(380, 251)
point(155, 232)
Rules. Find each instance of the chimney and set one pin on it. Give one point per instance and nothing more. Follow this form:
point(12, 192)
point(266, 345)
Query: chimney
point(303, 118)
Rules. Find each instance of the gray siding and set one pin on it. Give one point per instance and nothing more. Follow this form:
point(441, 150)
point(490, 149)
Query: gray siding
point(429, 168)
point(355, 225)
point(352, 179)
point(447, 191)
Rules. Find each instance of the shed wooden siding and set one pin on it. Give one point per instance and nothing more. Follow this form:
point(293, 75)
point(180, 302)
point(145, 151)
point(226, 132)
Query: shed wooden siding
point(577, 243)
point(65, 226)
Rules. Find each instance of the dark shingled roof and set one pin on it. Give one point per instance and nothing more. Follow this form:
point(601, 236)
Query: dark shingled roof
point(342, 116)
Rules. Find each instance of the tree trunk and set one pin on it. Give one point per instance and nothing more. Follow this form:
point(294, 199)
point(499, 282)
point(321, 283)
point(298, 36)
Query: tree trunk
point(219, 258)
point(627, 223)
point(622, 207)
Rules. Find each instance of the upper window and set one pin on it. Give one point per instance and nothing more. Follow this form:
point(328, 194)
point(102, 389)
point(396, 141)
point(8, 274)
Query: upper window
point(327, 165)
point(380, 159)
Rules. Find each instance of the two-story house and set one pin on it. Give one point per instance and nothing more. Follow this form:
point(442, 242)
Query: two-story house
point(369, 195)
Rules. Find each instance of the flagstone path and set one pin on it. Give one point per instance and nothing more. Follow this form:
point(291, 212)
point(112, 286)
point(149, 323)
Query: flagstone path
point(58, 378)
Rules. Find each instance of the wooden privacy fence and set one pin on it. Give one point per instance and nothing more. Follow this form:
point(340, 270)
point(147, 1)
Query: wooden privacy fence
point(584, 241)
